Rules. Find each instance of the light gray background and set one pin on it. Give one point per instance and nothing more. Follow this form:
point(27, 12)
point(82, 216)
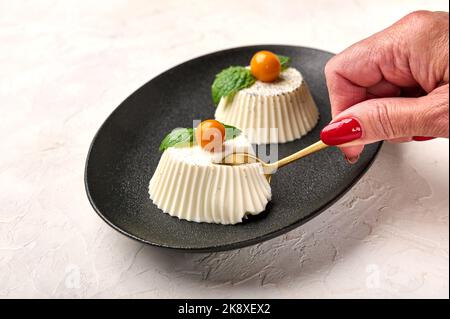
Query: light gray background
point(65, 65)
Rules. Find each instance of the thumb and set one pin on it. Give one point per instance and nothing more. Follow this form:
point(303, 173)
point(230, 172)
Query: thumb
point(389, 118)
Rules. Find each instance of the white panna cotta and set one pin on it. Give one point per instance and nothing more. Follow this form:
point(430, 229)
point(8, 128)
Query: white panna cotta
point(275, 112)
point(189, 184)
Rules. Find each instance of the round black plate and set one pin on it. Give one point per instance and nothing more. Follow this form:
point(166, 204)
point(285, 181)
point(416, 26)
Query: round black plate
point(124, 155)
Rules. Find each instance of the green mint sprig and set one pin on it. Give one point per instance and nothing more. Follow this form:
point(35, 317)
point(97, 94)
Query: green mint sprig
point(285, 61)
point(183, 137)
point(178, 137)
point(231, 132)
point(229, 81)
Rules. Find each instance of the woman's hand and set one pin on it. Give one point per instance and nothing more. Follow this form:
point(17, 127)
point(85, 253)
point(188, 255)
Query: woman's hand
point(391, 86)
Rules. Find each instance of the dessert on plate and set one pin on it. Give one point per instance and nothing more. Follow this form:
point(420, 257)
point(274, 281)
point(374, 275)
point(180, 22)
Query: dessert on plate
point(269, 101)
point(190, 183)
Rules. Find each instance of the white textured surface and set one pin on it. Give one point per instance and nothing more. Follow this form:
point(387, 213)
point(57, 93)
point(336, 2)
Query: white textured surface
point(65, 65)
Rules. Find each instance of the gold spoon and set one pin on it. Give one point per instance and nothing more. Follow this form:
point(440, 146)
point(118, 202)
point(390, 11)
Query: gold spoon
point(270, 168)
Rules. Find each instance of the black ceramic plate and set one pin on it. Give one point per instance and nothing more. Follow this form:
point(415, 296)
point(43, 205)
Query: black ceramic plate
point(124, 155)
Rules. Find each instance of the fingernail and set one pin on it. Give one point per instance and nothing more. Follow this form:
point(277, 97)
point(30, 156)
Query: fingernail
point(341, 132)
point(422, 138)
point(352, 160)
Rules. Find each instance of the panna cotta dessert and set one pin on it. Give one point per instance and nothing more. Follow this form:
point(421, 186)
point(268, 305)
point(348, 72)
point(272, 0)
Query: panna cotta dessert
point(191, 183)
point(273, 103)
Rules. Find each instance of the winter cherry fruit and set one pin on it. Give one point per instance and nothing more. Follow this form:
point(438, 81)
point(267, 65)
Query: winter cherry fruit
point(265, 66)
point(210, 135)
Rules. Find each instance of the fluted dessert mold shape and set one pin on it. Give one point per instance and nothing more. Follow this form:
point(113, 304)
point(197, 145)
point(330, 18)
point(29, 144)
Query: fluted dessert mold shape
point(276, 112)
point(190, 185)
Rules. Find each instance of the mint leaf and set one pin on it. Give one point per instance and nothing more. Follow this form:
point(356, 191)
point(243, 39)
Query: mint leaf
point(231, 132)
point(177, 138)
point(180, 137)
point(230, 81)
point(284, 61)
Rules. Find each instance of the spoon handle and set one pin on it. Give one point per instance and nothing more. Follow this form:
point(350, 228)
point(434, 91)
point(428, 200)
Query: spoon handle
point(297, 155)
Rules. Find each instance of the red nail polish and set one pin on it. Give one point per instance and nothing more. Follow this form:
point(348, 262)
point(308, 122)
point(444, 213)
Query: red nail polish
point(422, 138)
point(341, 132)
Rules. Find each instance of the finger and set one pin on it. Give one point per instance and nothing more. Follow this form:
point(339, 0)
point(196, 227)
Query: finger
point(384, 89)
point(343, 93)
point(352, 153)
point(390, 118)
point(400, 140)
point(352, 160)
